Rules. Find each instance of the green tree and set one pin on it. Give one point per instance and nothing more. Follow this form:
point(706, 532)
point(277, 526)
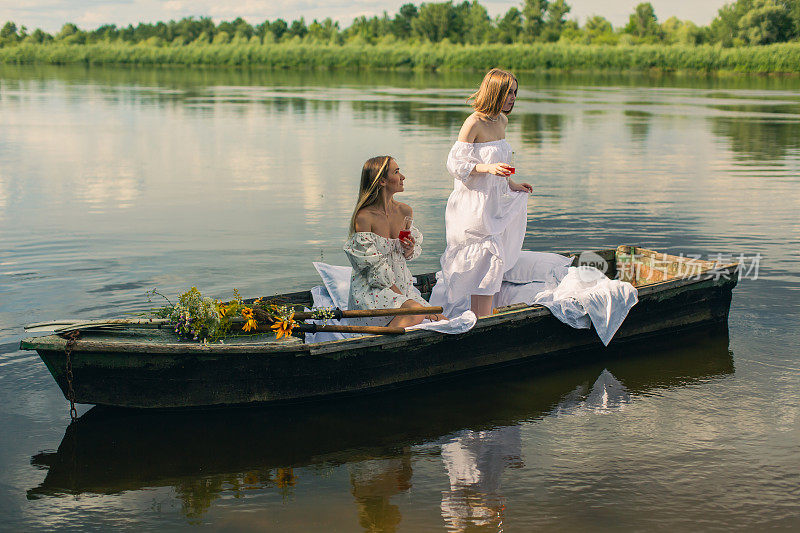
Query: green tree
point(556, 16)
point(298, 28)
point(38, 37)
point(643, 22)
point(767, 21)
point(477, 25)
point(434, 21)
point(402, 21)
point(8, 33)
point(325, 32)
point(509, 28)
point(794, 14)
point(756, 22)
point(533, 13)
point(278, 29)
point(677, 31)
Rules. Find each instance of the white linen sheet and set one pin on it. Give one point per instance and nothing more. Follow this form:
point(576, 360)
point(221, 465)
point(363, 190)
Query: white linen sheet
point(586, 297)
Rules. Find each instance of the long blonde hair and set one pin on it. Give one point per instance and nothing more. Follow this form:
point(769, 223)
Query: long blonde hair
point(369, 191)
point(492, 94)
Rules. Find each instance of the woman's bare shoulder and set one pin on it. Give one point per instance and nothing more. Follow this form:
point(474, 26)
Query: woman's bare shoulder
point(405, 209)
point(364, 220)
point(469, 131)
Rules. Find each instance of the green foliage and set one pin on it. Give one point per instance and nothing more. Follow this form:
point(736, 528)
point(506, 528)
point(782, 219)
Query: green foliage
point(643, 23)
point(466, 36)
point(434, 21)
point(784, 57)
point(510, 26)
point(533, 13)
point(556, 17)
point(768, 21)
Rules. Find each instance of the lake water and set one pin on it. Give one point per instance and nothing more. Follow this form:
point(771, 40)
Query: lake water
point(114, 182)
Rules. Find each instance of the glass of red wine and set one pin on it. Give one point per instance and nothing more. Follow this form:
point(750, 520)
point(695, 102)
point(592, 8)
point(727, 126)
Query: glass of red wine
point(405, 232)
point(512, 169)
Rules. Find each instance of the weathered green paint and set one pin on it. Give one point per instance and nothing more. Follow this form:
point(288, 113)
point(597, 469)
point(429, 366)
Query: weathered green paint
point(134, 370)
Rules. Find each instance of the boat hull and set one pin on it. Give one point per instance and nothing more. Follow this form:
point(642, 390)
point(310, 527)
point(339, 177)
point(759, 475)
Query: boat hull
point(195, 376)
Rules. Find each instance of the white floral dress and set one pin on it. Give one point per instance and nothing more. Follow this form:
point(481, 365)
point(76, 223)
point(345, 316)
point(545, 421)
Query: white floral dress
point(485, 226)
point(378, 263)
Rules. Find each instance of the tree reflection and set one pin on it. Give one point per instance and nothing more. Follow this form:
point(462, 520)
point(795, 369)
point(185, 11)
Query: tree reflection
point(759, 139)
point(536, 127)
point(638, 123)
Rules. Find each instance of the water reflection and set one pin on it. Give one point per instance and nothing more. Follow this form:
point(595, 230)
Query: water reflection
point(761, 140)
point(473, 423)
point(537, 128)
point(374, 482)
point(474, 461)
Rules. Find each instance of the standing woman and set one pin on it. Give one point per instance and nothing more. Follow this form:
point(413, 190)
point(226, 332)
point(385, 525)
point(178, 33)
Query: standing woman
point(486, 213)
point(381, 278)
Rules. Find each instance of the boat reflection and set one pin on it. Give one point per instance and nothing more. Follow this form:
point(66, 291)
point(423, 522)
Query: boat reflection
point(473, 422)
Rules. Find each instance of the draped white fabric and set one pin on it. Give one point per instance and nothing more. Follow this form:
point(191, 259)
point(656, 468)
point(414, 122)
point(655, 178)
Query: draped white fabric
point(585, 297)
point(485, 225)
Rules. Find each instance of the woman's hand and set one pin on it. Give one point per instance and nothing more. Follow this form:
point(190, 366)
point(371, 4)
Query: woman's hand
point(519, 187)
point(498, 169)
point(408, 246)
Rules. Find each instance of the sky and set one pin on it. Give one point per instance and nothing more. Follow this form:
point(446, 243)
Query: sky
point(50, 15)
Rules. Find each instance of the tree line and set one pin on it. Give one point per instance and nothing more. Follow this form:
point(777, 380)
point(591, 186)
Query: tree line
point(740, 23)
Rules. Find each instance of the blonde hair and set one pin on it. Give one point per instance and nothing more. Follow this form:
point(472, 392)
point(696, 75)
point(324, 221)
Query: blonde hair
point(492, 94)
point(369, 192)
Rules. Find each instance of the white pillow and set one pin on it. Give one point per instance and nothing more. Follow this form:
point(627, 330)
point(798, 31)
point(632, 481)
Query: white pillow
point(534, 266)
point(337, 281)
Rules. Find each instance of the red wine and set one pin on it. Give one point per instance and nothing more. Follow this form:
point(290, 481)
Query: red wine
point(512, 170)
point(404, 234)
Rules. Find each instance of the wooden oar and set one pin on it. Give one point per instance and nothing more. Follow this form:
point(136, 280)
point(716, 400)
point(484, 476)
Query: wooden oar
point(62, 326)
point(371, 330)
point(65, 325)
point(361, 313)
point(309, 328)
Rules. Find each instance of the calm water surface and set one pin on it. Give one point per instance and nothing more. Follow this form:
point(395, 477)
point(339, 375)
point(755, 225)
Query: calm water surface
point(113, 182)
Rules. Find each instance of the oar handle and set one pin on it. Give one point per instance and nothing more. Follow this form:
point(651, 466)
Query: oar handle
point(361, 313)
point(371, 330)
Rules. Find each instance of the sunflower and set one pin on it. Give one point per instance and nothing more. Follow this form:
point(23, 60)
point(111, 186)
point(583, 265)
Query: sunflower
point(247, 313)
point(284, 327)
point(250, 324)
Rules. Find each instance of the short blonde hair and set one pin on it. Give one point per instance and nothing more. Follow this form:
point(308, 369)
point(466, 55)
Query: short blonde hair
point(491, 96)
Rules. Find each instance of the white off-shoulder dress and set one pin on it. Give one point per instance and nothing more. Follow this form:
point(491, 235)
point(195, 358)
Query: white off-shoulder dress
point(485, 225)
point(378, 263)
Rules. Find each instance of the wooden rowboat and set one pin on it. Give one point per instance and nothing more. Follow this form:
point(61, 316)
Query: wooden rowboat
point(150, 368)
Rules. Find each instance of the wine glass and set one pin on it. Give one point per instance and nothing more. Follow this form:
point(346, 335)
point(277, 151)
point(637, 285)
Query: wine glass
point(405, 231)
point(511, 163)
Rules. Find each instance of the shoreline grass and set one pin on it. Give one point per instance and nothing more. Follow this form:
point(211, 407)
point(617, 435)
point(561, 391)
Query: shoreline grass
point(781, 58)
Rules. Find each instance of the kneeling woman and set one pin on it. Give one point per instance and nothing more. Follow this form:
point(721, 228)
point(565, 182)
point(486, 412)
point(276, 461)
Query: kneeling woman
point(381, 278)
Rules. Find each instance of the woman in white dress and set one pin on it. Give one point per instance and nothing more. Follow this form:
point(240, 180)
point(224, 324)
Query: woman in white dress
point(486, 213)
point(381, 278)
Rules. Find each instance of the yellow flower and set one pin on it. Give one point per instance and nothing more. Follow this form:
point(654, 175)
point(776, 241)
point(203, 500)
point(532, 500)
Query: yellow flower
point(222, 310)
point(247, 313)
point(250, 324)
point(284, 327)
